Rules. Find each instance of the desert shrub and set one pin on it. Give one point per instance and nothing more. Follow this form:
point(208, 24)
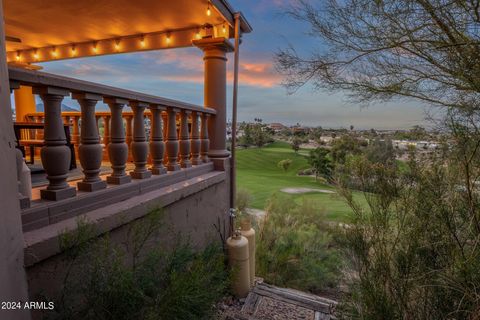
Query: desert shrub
point(294, 248)
point(109, 281)
point(413, 252)
point(381, 151)
point(243, 200)
point(284, 164)
point(306, 172)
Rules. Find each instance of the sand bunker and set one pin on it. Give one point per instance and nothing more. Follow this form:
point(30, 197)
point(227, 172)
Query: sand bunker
point(304, 190)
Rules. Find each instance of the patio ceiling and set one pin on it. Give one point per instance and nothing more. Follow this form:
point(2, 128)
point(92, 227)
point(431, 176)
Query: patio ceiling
point(43, 30)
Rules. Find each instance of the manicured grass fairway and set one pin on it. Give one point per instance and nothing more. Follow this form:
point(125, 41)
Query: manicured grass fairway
point(257, 172)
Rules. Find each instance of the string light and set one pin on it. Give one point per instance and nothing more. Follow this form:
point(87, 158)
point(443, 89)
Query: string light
point(54, 52)
point(117, 44)
point(94, 48)
point(74, 50)
point(209, 12)
point(168, 39)
point(224, 29)
point(18, 56)
point(142, 42)
point(35, 55)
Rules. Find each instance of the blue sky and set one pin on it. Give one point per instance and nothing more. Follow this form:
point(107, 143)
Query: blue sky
point(178, 74)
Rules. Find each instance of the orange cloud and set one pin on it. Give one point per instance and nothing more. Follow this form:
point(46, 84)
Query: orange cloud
point(256, 74)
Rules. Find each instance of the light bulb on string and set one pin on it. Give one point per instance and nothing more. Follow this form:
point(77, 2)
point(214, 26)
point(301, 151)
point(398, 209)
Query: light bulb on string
point(209, 12)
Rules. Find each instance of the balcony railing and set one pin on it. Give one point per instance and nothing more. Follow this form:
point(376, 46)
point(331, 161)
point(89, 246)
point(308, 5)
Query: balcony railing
point(176, 140)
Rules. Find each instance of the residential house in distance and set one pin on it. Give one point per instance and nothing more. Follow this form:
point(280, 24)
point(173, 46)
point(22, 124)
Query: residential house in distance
point(277, 127)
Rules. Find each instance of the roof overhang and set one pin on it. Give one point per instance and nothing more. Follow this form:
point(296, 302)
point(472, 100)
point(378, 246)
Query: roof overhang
point(63, 29)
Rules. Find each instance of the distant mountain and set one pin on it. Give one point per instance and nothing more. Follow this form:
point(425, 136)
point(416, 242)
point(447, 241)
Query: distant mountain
point(40, 108)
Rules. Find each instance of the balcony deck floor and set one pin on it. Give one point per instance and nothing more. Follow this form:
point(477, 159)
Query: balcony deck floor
point(39, 177)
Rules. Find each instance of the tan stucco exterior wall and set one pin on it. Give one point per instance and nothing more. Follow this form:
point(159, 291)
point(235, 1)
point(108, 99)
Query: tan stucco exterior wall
point(12, 274)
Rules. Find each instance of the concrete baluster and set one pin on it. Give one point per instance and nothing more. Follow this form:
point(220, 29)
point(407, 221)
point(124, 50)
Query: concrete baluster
point(106, 130)
point(195, 139)
point(184, 140)
point(165, 134)
point(157, 146)
point(172, 140)
point(128, 126)
point(76, 132)
point(205, 141)
point(55, 154)
point(139, 145)
point(106, 136)
point(117, 148)
point(90, 150)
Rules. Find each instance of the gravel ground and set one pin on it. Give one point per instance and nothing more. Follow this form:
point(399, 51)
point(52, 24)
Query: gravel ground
point(228, 308)
point(270, 309)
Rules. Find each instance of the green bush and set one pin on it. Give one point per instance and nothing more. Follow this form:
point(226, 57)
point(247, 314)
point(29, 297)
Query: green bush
point(108, 281)
point(284, 164)
point(294, 248)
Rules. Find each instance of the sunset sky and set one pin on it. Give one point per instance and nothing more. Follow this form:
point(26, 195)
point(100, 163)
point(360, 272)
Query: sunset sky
point(178, 74)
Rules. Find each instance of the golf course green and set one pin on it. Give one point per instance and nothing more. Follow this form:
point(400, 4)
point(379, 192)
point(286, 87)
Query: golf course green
point(257, 172)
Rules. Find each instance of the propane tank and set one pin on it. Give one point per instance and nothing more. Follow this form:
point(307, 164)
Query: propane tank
point(237, 246)
point(249, 233)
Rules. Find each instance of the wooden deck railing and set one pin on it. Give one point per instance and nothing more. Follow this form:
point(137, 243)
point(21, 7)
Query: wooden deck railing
point(178, 137)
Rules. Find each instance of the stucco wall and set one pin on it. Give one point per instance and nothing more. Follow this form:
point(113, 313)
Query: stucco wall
point(193, 217)
point(12, 275)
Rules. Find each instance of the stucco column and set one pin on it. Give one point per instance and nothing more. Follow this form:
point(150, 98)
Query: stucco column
point(215, 91)
point(24, 102)
point(157, 146)
point(195, 139)
point(90, 150)
point(117, 148)
point(172, 140)
point(55, 154)
point(139, 146)
point(184, 140)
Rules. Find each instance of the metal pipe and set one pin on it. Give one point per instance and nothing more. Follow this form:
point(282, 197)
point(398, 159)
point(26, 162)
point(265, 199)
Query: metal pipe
point(233, 179)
